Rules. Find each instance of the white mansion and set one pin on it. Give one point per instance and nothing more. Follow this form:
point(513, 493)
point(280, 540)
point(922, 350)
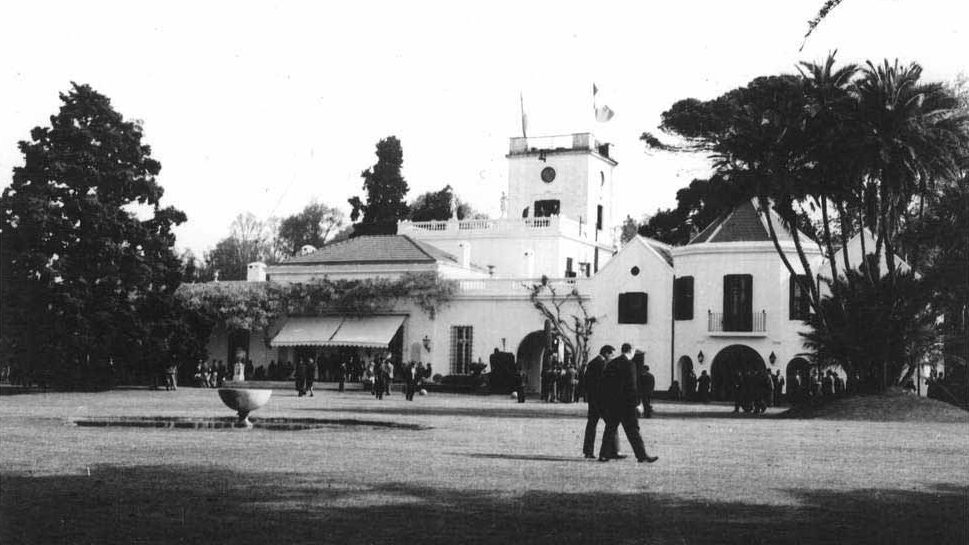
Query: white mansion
point(723, 300)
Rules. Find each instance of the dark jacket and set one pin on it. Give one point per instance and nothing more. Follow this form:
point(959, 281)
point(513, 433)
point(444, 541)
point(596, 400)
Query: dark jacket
point(593, 377)
point(618, 386)
point(649, 383)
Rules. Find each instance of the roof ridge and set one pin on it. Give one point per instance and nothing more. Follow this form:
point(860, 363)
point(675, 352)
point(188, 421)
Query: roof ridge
point(419, 247)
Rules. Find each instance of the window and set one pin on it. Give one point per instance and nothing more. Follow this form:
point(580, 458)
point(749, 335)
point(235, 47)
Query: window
point(632, 307)
point(599, 217)
point(799, 301)
point(462, 339)
point(569, 272)
point(544, 209)
point(585, 269)
point(683, 298)
point(738, 302)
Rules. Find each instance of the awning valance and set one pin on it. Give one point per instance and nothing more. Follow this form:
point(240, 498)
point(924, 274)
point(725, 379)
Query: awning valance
point(367, 332)
point(301, 331)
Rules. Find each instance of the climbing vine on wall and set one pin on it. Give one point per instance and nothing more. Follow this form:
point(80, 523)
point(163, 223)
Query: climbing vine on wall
point(256, 305)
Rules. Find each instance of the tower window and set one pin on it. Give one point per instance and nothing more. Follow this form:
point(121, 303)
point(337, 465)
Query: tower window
point(546, 208)
point(599, 218)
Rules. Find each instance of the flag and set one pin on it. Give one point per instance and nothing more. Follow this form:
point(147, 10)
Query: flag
point(521, 100)
point(602, 113)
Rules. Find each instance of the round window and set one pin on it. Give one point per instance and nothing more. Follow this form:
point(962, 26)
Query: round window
point(634, 271)
point(548, 175)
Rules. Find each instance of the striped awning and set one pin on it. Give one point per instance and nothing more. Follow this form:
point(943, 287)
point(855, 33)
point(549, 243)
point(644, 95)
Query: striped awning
point(315, 331)
point(365, 332)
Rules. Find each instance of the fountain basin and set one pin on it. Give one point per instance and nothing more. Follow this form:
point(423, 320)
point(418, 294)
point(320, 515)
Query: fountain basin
point(244, 401)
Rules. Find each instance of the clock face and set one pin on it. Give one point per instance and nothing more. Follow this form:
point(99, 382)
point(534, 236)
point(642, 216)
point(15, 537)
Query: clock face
point(548, 174)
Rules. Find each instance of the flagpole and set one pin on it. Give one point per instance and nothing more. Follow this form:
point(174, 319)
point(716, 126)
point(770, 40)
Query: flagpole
point(521, 101)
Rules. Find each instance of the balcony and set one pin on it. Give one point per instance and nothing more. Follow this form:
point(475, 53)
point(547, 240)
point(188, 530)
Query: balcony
point(515, 226)
point(752, 325)
point(518, 287)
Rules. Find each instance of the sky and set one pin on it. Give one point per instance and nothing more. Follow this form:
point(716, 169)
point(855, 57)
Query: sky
point(264, 107)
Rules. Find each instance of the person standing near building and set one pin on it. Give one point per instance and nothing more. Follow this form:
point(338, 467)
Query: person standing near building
point(619, 397)
point(342, 374)
point(522, 382)
point(649, 384)
point(311, 370)
point(703, 386)
point(388, 368)
point(300, 377)
point(410, 376)
point(592, 380)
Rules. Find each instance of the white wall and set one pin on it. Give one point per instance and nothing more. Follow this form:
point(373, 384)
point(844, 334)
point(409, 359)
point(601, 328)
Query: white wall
point(707, 264)
point(656, 279)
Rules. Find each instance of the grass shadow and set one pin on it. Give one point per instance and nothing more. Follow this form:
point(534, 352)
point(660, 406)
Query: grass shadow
point(199, 504)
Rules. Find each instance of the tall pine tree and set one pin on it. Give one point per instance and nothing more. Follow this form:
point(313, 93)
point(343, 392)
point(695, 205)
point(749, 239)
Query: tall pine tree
point(386, 189)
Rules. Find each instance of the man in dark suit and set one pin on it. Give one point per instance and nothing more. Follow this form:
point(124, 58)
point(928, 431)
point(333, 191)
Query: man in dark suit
point(646, 391)
point(619, 398)
point(593, 376)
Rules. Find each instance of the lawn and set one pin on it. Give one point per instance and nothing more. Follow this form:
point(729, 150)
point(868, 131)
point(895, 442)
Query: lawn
point(478, 469)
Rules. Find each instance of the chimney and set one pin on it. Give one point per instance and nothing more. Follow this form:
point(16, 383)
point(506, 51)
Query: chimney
point(256, 272)
point(465, 254)
point(529, 263)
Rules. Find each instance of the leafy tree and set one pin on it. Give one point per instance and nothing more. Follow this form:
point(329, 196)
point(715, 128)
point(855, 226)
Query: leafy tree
point(628, 229)
point(874, 330)
point(858, 145)
point(436, 206)
point(697, 206)
point(83, 275)
point(386, 189)
point(315, 225)
point(248, 241)
point(938, 247)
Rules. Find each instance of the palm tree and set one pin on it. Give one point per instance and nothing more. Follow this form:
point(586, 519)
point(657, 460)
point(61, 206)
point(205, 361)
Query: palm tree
point(830, 129)
point(913, 134)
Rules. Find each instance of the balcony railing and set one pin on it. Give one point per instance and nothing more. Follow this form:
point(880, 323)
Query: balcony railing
point(517, 286)
point(756, 323)
point(509, 226)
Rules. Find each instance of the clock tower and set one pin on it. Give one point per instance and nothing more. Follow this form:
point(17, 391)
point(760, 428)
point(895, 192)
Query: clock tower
point(569, 176)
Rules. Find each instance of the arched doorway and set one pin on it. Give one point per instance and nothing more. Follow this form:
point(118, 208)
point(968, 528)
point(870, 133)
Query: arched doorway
point(734, 359)
point(531, 351)
point(684, 366)
point(798, 377)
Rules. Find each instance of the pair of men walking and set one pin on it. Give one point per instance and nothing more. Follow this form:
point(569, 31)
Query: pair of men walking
point(613, 396)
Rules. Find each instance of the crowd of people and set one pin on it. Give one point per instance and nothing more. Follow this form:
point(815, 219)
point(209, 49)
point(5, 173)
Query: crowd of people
point(377, 375)
point(566, 383)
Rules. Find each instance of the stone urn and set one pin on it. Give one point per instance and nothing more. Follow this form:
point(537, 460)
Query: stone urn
point(244, 401)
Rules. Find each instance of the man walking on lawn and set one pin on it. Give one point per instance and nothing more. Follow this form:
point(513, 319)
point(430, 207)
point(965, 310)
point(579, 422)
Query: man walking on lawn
point(620, 398)
point(591, 381)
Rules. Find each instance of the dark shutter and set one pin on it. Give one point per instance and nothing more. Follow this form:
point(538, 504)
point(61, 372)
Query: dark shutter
point(683, 298)
point(738, 302)
point(799, 304)
point(633, 308)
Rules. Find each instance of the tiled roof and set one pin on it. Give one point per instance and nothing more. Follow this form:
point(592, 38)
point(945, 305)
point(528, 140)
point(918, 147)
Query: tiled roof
point(742, 224)
point(375, 249)
point(662, 249)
